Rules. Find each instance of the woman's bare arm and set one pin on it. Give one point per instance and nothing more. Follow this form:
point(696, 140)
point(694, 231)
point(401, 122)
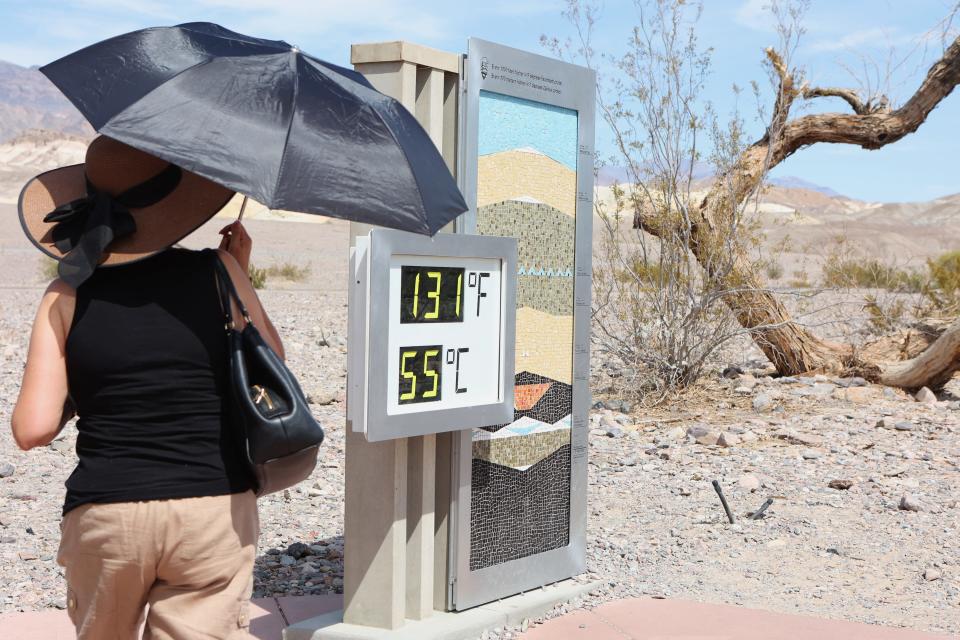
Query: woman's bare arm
point(250, 299)
point(43, 407)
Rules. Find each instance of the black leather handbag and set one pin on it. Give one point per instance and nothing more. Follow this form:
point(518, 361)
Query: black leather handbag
point(281, 438)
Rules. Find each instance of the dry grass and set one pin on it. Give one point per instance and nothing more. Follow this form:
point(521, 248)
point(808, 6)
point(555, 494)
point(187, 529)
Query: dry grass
point(258, 277)
point(288, 271)
point(48, 268)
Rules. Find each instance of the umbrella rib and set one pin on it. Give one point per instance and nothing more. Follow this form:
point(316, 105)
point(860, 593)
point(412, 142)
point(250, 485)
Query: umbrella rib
point(413, 173)
point(293, 115)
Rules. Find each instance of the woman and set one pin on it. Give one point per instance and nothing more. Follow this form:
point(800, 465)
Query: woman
point(159, 511)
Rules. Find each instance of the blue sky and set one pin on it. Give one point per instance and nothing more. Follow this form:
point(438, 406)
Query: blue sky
point(919, 167)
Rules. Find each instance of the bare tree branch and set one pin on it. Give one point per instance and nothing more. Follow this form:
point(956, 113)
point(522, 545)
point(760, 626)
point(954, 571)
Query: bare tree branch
point(849, 95)
point(875, 130)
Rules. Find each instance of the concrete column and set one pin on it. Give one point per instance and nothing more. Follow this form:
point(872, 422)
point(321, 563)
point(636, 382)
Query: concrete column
point(429, 103)
point(389, 526)
point(374, 531)
point(421, 476)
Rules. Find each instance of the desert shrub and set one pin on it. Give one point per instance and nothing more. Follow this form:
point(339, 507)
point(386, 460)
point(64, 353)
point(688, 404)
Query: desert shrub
point(884, 316)
point(258, 277)
point(943, 289)
point(800, 280)
point(845, 266)
point(649, 272)
point(48, 268)
point(871, 273)
point(288, 271)
point(659, 311)
point(774, 270)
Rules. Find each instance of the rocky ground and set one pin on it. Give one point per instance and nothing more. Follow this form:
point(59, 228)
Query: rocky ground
point(865, 481)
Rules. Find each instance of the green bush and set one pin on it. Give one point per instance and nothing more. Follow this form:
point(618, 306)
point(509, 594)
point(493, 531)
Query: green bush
point(944, 287)
point(258, 277)
point(853, 273)
point(48, 268)
point(774, 270)
point(884, 318)
point(800, 280)
point(651, 274)
point(288, 271)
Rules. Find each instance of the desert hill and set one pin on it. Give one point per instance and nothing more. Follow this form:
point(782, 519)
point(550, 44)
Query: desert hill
point(809, 216)
point(33, 152)
point(29, 101)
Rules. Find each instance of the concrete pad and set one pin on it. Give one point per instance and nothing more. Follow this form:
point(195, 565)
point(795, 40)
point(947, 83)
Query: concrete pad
point(538, 602)
point(651, 619)
point(461, 625)
point(266, 621)
point(299, 608)
point(37, 625)
point(579, 625)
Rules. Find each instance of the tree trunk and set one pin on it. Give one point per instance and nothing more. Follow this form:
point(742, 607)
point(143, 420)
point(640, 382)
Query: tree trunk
point(790, 347)
point(933, 368)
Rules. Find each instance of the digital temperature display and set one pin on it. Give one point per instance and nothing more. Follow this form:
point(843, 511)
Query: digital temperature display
point(420, 371)
point(431, 294)
point(431, 333)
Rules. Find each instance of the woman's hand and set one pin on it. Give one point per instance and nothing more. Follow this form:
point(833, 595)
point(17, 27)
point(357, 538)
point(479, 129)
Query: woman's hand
point(237, 242)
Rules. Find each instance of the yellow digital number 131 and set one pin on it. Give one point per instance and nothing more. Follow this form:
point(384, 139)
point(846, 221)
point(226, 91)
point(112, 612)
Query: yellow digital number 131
point(435, 295)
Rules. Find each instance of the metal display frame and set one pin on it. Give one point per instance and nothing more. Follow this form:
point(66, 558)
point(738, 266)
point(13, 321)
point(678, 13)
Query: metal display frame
point(373, 255)
point(572, 87)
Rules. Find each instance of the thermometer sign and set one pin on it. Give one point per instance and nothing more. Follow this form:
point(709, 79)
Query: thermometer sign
point(432, 333)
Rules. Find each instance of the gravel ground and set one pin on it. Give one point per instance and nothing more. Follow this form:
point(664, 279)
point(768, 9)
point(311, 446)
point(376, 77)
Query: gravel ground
point(865, 481)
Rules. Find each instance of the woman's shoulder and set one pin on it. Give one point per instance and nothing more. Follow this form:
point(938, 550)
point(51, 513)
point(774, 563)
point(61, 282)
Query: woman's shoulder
point(61, 299)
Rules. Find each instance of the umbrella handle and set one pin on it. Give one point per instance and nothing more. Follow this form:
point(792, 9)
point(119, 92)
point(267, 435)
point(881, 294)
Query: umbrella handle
point(243, 207)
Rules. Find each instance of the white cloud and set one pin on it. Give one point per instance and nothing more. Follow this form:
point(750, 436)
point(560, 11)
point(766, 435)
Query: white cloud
point(512, 8)
point(755, 14)
point(872, 37)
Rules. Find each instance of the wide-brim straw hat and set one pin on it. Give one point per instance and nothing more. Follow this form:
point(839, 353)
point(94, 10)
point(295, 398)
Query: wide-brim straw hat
point(113, 167)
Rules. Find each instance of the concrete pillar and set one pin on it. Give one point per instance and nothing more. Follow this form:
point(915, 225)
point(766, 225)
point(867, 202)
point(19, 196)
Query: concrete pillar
point(390, 555)
point(374, 531)
point(421, 476)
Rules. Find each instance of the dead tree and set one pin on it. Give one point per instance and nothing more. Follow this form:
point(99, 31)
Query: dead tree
point(792, 348)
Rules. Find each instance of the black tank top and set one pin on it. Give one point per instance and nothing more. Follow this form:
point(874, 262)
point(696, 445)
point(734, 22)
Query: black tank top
point(147, 370)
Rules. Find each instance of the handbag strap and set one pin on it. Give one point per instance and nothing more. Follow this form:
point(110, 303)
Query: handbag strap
point(228, 292)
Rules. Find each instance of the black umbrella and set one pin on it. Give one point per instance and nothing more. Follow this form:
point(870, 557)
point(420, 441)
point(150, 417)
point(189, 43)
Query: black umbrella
point(265, 119)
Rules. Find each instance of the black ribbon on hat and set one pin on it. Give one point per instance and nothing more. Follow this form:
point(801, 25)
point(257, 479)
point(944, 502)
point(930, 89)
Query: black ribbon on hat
point(85, 226)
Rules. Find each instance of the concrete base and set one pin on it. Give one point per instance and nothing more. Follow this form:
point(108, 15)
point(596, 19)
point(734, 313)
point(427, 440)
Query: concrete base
point(461, 625)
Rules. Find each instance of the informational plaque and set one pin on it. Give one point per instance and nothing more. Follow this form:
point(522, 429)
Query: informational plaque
point(526, 159)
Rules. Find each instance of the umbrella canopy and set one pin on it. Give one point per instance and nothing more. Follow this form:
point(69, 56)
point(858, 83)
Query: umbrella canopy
point(264, 119)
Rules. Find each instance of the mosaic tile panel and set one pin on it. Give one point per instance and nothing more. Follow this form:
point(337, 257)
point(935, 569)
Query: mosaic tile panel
point(544, 251)
point(521, 444)
point(515, 514)
point(552, 406)
point(508, 122)
point(527, 395)
point(526, 186)
point(538, 348)
point(526, 173)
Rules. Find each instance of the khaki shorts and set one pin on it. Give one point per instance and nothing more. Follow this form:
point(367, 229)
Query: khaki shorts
point(188, 562)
